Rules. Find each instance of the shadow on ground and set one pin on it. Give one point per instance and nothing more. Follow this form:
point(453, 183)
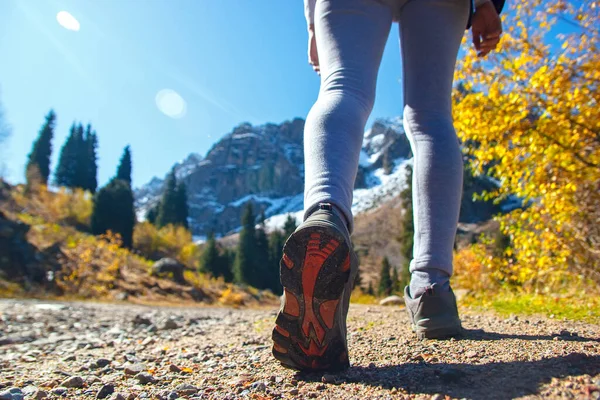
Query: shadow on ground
point(481, 335)
point(500, 380)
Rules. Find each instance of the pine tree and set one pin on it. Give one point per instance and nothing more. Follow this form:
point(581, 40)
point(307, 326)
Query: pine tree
point(289, 226)
point(244, 269)
point(91, 161)
point(182, 205)
point(114, 211)
point(395, 281)
point(210, 259)
point(81, 159)
point(67, 161)
point(385, 281)
point(370, 290)
point(264, 277)
point(38, 161)
point(406, 237)
point(276, 242)
point(124, 169)
point(226, 261)
point(152, 214)
point(167, 209)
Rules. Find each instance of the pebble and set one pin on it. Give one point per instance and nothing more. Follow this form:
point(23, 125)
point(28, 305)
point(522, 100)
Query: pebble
point(118, 396)
point(186, 389)
point(259, 386)
point(40, 394)
point(144, 378)
point(105, 391)
point(59, 391)
point(134, 369)
point(174, 368)
point(471, 354)
point(169, 324)
point(12, 394)
point(172, 396)
point(73, 382)
point(293, 392)
point(102, 362)
point(437, 396)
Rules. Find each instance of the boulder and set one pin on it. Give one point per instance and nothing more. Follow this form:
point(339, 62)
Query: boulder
point(169, 266)
point(391, 301)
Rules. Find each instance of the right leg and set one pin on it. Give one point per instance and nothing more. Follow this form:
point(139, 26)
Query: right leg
point(351, 37)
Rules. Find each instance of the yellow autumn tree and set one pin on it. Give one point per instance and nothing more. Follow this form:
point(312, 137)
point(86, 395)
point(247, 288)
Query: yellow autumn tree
point(529, 116)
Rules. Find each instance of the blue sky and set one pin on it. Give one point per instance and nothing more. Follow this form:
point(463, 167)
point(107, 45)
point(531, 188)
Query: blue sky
point(230, 60)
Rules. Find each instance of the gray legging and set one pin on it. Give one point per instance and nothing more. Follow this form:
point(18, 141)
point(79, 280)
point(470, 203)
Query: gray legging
point(351, 36)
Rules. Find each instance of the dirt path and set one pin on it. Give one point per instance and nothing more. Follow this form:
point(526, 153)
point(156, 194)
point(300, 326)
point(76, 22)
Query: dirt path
point(84, 350)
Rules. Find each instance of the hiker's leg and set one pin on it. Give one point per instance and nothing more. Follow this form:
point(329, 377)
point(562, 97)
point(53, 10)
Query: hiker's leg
point(431, 32)
point(351, 36)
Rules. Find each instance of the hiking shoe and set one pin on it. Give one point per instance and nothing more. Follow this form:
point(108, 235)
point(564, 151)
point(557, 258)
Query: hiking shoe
point(317, 270)
point(433, 313)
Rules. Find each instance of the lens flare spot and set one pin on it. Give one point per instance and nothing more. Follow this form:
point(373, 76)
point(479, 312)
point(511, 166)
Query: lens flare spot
point(68, 21)
point(170, 103)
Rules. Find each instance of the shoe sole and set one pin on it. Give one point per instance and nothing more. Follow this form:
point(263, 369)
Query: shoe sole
point(314, 270)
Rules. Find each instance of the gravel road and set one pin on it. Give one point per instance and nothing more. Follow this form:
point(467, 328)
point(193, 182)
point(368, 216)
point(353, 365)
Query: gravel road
point(122, 351)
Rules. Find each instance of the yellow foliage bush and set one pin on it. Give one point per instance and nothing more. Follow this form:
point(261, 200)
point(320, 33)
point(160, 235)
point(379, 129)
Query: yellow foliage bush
point(92, 265)
point(229, 297)
point(359, 297)
point(529, 116)
point(169, 241)
point(63, 207)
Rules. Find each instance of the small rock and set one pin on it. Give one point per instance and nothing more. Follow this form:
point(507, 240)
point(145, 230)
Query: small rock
point(294, 392)
point(437, 396)
point(172, 396)
point(391, 300)
point(327, 378)
point(12, 394)
point(259, 386)
point(139, 320)
point(471, 354)
point(174, 368)
point(121, 296)
point(320, 386)
point(117, 396)
point(134, 369)
point(372, 365)
point(144, 378)
point(40, 394)
point(59, 391)
point(29, 390)
point(102, 362)
point(73, 382)
point(186, 389)
point(91, 379)
point(148, 341)
point(72, 357)
point(105, 391)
